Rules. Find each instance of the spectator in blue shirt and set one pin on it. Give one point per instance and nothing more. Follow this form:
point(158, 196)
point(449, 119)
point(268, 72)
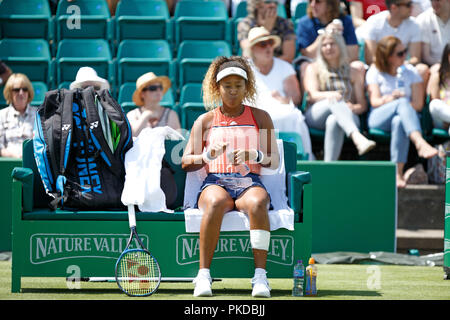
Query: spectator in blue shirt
point(322, 14)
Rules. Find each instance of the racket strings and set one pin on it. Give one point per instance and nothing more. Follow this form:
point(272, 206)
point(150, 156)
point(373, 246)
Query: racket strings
point(138, 273)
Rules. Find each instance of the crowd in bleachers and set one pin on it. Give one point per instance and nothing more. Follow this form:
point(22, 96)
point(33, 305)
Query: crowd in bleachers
point(333, 91)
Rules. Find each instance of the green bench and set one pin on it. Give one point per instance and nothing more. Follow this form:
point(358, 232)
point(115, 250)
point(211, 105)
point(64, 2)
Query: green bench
point(80, 244)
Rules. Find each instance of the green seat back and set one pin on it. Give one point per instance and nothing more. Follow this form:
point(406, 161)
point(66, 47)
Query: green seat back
point(40, 89)
point(142, 19)
point(200, 20)
point(25, 19)
point(29, 56)
point(300, 10)
point(136, 57)
point(194, 58)
point(94, 19)
point(75, 53)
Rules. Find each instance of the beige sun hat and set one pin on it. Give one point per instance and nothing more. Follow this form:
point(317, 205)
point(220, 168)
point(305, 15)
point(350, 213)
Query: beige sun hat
point(87, 76)
point(258, 34)
point(144, 81)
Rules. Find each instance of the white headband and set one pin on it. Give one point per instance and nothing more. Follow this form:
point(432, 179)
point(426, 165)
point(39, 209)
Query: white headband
point(229, 71)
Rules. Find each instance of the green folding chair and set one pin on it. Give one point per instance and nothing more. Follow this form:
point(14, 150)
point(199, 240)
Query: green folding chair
point(194, 58)
point(75, 53)
point(88, 19)
point(142, 19)
point(136, 57)
point(25, 19)
point(28, 56)
point(200, 20)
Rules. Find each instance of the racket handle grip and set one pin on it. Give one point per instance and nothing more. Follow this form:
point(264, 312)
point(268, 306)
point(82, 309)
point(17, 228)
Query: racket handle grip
point(131, 216)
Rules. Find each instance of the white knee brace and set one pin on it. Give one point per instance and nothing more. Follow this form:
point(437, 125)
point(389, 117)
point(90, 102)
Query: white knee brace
point(260, 239)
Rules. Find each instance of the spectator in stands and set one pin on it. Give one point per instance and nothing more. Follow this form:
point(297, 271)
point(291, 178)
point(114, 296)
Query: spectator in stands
point(395, 110)
point(396, 21)
point(263, 13)
point(336, 97)
point(235, 136)
point(435, 32)
point(361, 10)
point(321, 14)
point(439, 87)
point(324, 14)
point(5, 72)
point(87, 76)
point(149, 92)
point(16, 120)
point(277, 84)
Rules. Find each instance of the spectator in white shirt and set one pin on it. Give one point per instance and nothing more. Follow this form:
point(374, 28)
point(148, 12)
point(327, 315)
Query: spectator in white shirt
point(396, 21)
point(435, 32)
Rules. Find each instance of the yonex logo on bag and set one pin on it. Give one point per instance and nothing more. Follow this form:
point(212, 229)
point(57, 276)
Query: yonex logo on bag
point(65, 127)
point(93, 125)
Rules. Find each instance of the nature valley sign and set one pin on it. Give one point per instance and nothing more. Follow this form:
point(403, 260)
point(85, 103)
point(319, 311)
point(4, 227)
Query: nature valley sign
point(52, 247)
point(281, 249)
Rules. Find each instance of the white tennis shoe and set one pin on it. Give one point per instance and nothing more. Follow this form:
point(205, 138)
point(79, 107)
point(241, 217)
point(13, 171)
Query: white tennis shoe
point(202, 286)
point(260, 286)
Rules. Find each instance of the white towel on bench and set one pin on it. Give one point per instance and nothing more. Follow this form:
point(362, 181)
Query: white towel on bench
point(143, 169)
point(282, 216)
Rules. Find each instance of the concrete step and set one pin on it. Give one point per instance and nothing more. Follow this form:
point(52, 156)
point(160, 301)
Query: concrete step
point(421, 207)
point(425, 240)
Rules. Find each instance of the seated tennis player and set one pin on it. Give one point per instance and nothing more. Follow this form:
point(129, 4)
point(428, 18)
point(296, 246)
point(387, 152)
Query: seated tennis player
point(233, 141)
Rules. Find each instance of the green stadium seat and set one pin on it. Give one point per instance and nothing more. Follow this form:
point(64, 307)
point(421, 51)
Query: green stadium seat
point(126, 91)
point(142, 19)
point(194, 58)
point(191, 104)
point(297, 139)
point(136, 57)
point(83, 19)
point(25, 19)
point(200, 20)
point(29, 56)
point(300, 10)
point(75, 53)
point(40, 89)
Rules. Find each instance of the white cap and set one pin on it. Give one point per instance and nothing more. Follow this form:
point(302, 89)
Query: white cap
point(229, 71)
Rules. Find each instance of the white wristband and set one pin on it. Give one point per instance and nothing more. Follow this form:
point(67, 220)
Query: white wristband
point(206, 156)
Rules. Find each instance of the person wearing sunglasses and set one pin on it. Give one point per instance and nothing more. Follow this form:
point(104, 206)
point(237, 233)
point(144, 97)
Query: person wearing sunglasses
point(261, 13)
point(394, 110)
point(16, 120)
point(150, 90)
point(277, 84)
point(395, 21)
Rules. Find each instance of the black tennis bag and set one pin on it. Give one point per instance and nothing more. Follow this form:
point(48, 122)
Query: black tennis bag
point(80, 140)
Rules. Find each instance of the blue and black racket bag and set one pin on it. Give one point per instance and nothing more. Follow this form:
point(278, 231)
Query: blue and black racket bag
point(80, 140)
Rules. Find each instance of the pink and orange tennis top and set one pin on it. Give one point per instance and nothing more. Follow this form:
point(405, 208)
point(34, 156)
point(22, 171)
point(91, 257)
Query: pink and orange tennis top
point(240, 132)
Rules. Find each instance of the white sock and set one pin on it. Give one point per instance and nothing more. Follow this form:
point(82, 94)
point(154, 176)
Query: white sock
point(204, 272)
point(259, 271)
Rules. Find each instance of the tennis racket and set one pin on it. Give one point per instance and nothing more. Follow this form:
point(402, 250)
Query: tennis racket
point(137, 271)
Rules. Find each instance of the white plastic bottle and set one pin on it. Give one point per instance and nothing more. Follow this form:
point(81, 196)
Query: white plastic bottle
point(299, 274)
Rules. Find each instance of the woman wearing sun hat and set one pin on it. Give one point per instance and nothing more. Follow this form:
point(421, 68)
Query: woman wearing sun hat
point(149, 92)
point(277, 84)
point(87, 76)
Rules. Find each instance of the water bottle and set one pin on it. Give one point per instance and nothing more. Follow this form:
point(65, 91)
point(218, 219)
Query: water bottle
point(299, 273)
point(400, 82)
point(310, 278)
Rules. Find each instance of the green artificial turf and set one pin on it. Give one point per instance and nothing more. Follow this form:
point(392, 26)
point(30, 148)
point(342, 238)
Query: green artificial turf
point(343, 282)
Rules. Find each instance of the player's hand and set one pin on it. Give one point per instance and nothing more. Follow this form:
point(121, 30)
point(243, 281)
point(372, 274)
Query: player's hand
point(218, 149)
point(240, 156)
